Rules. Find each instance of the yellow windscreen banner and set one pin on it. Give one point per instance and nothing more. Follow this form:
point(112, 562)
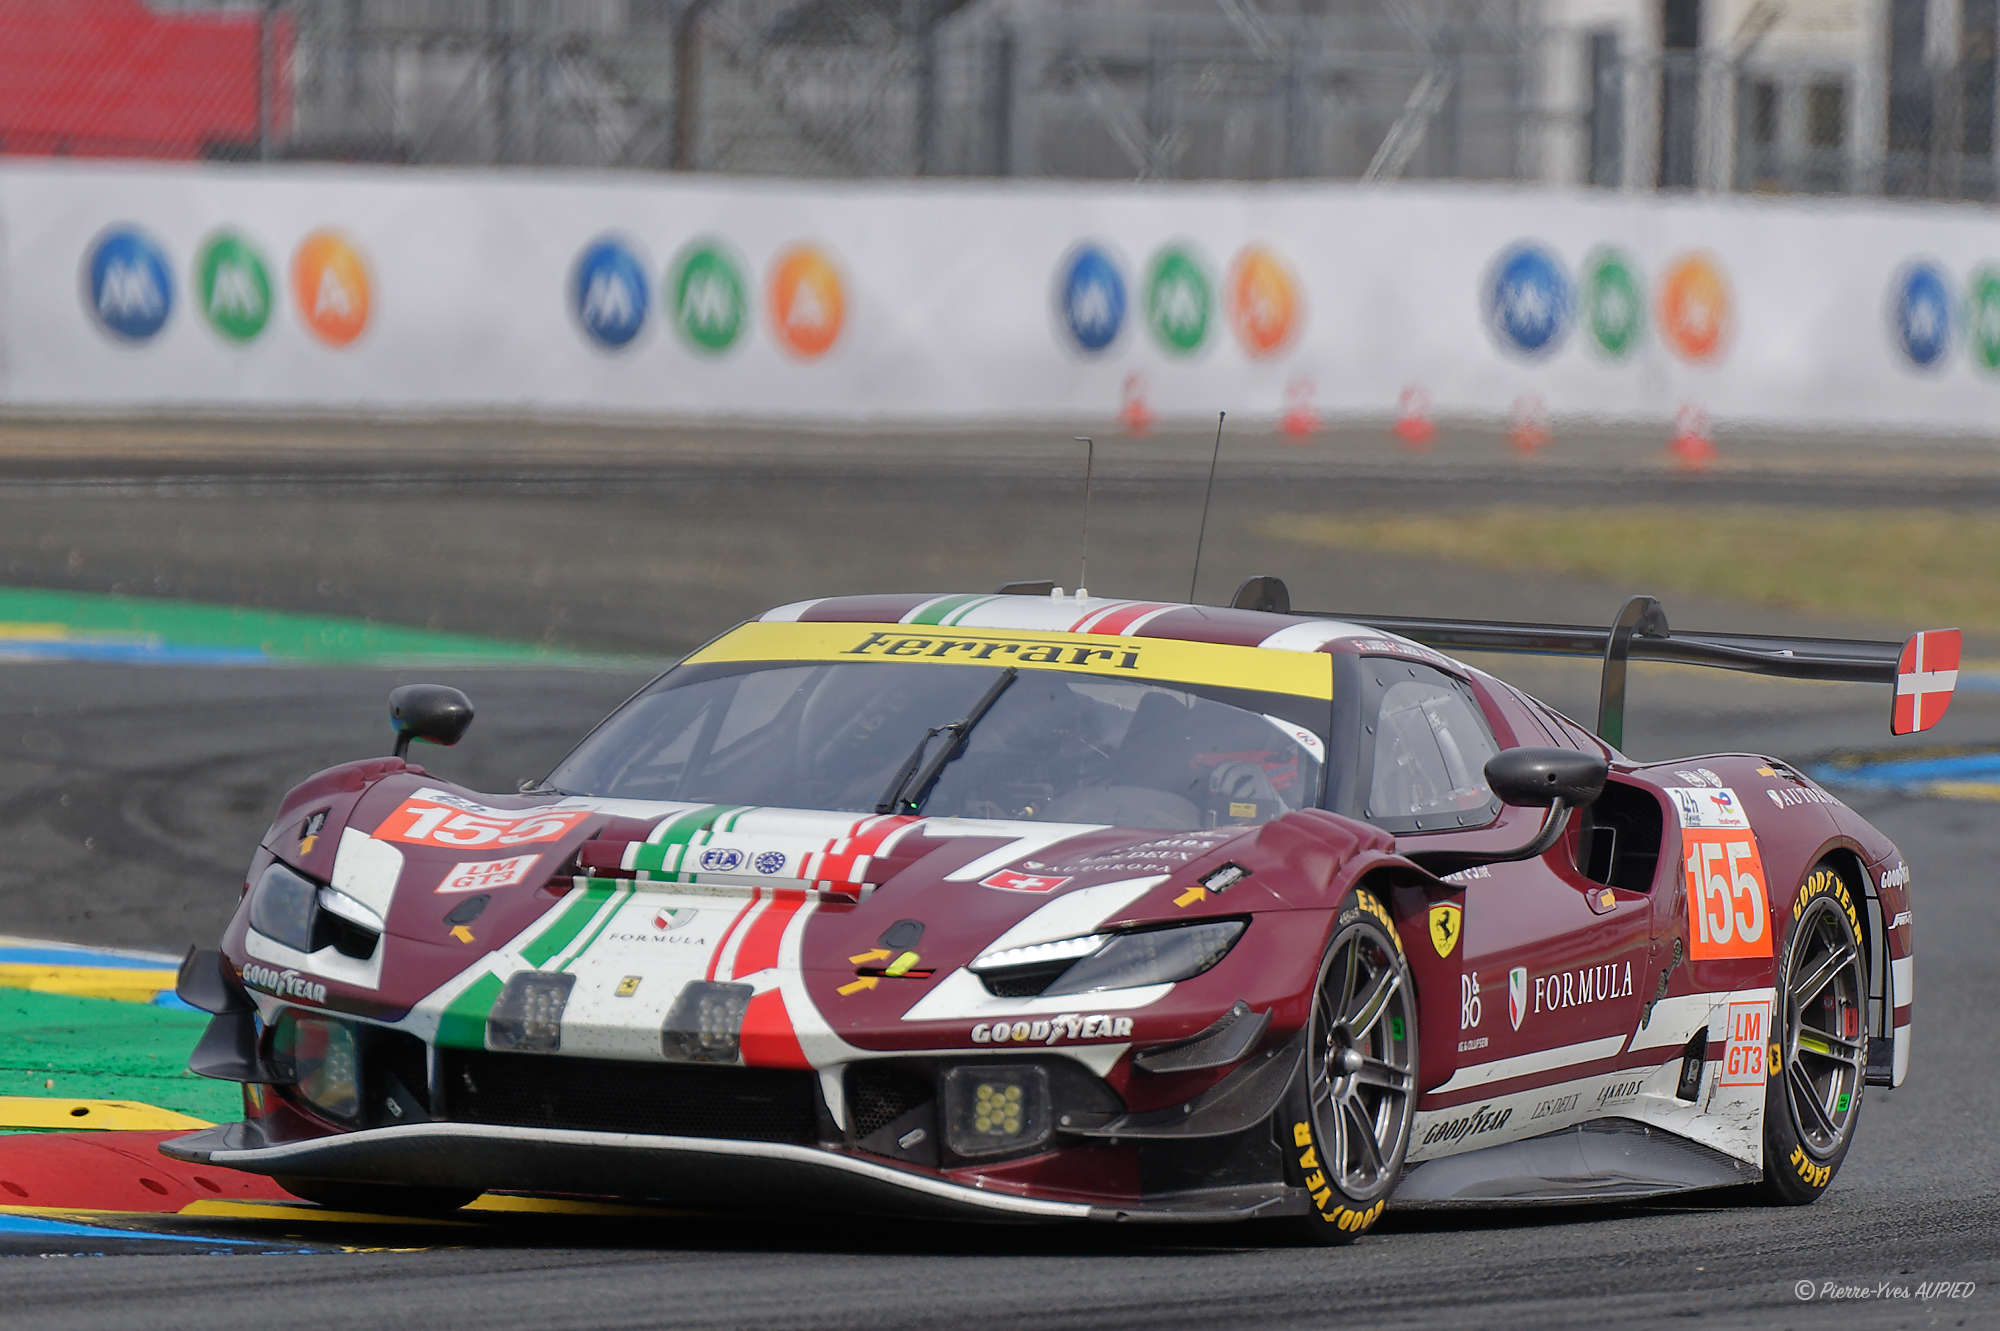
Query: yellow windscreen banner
point(1164, 660)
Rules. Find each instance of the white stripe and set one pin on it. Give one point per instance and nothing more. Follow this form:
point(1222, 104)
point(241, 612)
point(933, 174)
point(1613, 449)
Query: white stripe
point(1675, 1020)
point(1527, 1065)
point(1025, 839)
point(725, 961)
point(923, 606)
point(790, 614)
point(1132, 630)
point(1902, 980)
point(1927, 681)
point(1312, 636)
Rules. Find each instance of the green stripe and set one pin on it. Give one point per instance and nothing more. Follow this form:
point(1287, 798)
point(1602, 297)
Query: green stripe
point(567, 926)
point(678, 833)
point(463, 1025)
point(959, 616)
point(935, 612)
point(618, 898)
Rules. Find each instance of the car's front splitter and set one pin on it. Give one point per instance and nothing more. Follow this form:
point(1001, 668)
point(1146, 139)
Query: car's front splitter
point(685, 1170)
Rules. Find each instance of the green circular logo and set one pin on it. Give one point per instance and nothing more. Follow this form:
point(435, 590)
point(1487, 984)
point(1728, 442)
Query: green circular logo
point(709, 305)
point(1612, 303)
point(234, 286)
point(1178, 300)
point(1982, 317)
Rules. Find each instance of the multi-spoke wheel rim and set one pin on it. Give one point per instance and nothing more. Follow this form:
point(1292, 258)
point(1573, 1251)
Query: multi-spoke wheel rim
point(1363, 1060)
point(1826, 1044)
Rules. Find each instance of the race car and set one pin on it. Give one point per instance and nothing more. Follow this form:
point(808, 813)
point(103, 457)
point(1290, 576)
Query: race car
point(1043, 906)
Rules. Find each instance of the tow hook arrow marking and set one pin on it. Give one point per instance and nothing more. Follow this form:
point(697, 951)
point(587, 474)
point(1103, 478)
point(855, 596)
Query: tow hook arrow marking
point(873, 954)
point(856, 986)
point(1192, 895)
point(461, 933)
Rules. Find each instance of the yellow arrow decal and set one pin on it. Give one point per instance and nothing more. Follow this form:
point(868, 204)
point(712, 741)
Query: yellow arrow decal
point(855, 987)
point(875, 954)
point(461, 933)
point(1192, 895)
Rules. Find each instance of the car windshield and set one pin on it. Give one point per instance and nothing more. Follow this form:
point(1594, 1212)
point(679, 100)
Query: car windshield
point(1051, 745)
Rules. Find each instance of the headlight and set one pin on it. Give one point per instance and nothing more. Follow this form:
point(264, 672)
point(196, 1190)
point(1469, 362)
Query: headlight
point(320, 1052)
point(528, 1016)
point(1108, 961)
point(281, 907)
point(995, 1107)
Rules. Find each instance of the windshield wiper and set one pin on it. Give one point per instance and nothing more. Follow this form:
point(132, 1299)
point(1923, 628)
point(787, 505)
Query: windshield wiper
point(921, 781)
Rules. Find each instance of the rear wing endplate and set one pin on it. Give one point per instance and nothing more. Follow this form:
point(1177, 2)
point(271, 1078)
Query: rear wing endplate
point(1923, 668)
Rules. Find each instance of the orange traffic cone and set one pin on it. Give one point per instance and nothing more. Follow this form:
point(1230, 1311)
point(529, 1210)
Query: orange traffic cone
point(1133, 413)
point(1413, 420)
point(1300, 420)
point(1531, 425)
point(1692, 446)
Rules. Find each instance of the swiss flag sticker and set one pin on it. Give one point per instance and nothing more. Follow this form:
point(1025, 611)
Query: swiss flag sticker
point(1008, 880)
point(1925, 677)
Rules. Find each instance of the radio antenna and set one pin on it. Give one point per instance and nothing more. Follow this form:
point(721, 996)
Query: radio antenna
point(1201, 533)
point(1089, 464)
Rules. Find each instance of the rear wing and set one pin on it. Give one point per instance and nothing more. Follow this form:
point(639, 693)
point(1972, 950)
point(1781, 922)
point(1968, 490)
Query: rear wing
point(1923, 668)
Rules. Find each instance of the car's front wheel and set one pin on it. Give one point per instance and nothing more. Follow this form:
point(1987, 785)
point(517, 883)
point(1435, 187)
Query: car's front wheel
point(1348, 1124)
point(1818, 1060)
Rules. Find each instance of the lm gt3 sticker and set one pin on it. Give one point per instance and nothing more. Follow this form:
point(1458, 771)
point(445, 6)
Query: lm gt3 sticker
point(485, 875)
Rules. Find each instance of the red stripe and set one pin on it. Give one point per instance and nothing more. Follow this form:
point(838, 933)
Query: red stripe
point(840, 857)
point(715, 958)
point(1119, 620)
point(768, 1040)
point(760, 942)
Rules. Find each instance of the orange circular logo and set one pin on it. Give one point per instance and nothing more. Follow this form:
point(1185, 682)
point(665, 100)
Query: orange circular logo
point(330, 287)
point(1264, 306)
point(807, 304)
point(1694, 307)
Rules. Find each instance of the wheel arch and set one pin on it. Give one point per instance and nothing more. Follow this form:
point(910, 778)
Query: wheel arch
point(1848, 861)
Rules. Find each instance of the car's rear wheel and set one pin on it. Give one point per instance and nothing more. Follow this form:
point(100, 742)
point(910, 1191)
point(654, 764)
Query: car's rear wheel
point(379, 1198)
point(1349, 1121)
point(1818, 1060)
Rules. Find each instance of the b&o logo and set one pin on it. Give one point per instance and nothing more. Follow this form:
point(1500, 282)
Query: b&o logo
point(808, 302)
point(234, 286)
point(710, 306)
point(1264, 305)
point(608, 293)
point(1696, 308)
point(1920, 312)
point(1179, 299)
point(128, 285)
point(1613, 305)
point(1528, 300)
point(331, 288)
point(1090, 297)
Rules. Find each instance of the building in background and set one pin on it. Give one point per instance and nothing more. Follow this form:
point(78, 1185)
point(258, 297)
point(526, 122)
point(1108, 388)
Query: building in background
point(1851, 96)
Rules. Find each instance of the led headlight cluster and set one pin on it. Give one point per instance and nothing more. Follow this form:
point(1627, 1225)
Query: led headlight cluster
point(291, 908)
point(320, 1053)
point(528, 1016)
point(1110, 961)
point(994, 1107)
point(705, 1024)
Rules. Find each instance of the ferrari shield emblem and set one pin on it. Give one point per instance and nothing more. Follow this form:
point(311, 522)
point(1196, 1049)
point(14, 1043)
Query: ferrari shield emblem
point(1444, 918)
point(1517, 995)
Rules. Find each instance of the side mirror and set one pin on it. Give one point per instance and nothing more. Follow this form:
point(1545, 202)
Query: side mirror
point(1538, 778)
point(1559, 780)
point(433, 712)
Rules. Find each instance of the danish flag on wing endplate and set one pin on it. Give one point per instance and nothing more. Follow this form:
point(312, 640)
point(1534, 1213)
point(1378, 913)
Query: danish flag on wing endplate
point(1925, 676)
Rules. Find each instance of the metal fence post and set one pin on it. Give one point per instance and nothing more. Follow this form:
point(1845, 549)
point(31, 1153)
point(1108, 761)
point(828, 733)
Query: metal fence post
point(267, 78)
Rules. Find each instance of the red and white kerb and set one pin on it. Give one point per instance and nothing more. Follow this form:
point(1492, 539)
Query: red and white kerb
point(1925, 677)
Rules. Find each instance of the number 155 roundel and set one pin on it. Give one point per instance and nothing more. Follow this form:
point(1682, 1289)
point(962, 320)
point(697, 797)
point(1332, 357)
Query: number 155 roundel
point(422, 822)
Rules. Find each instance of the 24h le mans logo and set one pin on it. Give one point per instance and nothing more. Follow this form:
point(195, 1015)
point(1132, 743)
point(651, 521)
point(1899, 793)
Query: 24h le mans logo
point(709, 305)
point(1178, 300)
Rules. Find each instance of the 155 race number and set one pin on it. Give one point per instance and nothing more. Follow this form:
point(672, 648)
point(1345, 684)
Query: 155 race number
point(1728, 912)
point(421, 822)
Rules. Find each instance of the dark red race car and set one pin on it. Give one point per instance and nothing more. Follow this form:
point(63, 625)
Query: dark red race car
point(1034, 906)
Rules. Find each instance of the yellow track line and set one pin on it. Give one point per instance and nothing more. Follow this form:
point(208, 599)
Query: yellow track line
point(42, 1113)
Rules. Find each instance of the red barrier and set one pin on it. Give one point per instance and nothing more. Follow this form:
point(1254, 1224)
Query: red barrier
point(116, 1171)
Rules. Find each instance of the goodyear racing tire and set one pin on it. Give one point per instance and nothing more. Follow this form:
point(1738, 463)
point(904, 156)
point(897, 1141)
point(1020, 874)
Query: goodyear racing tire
point(1346, 1123)
point(1817, 1062)
point(378, 1198)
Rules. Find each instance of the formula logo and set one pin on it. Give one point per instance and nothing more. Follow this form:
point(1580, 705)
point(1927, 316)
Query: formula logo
point(233, 286)
point(1528, 300)
point(1090, 297)
point(1613, 307)
point(608, 293)
point(1695, 307)
point(1179, 300)
point(709, 305)
point(127, 285)
point(1920, 314)
point(330, 286)
point(1264, 304)
point(808, 304)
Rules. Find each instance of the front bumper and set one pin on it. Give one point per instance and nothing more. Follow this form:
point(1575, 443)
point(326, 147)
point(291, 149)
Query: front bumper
point(700, 1172)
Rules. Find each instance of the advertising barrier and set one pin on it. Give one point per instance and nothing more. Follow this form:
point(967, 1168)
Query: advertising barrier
point(164, 288)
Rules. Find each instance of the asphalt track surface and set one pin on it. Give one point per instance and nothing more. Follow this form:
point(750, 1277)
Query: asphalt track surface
point(129, 799)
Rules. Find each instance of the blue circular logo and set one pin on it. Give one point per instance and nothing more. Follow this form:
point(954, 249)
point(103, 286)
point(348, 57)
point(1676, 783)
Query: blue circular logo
point(769, 861)
point(1528, 300)
point(1091, 298)
point(609, 291)
point(131, 290)
point(1922, 314)
point(722, 860)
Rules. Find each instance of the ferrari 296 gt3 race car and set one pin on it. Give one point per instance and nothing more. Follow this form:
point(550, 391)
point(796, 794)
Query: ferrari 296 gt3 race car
point(1034, 906)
